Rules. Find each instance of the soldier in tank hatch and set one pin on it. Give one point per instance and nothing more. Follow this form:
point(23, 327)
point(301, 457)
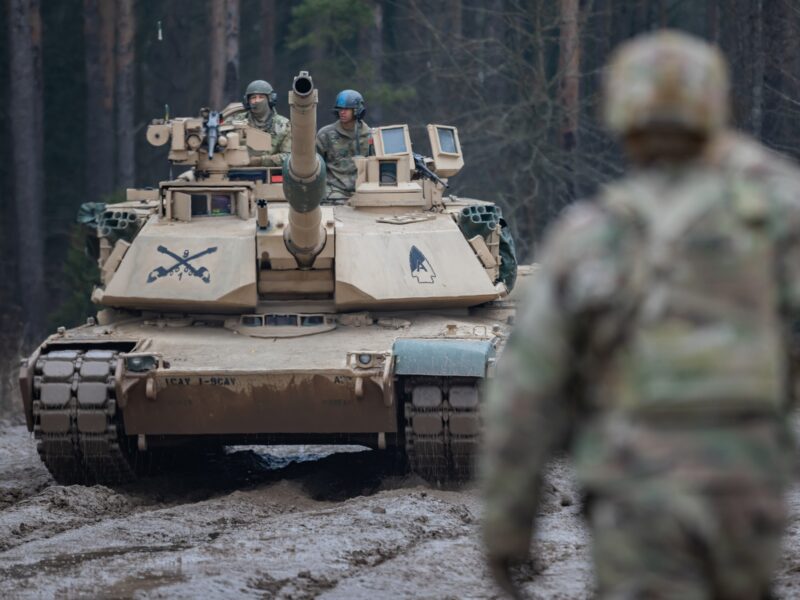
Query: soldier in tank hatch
point(656, 345)
point(340, 141)
point(260, 101)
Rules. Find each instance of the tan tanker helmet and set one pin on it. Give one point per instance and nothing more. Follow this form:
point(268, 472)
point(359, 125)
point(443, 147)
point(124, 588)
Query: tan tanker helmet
point(666, 79)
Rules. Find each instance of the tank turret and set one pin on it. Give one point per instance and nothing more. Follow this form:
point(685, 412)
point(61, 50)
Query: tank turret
point(304, 175)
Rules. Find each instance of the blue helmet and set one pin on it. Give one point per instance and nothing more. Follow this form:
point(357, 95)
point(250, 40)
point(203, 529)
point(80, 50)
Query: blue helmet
point(350, 99)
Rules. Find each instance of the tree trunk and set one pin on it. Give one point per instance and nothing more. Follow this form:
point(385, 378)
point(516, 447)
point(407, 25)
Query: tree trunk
point(757, 111)
point(125, 93)
point(268, 19)
point(99, 36)
point(217, 49)
point(24, 111)
point(494, 29)
point(454, 15)
point(712, 20)
point(376, 54)
point(370, 43)
point(231, 90)
point(788, 57)
point(642, 15)
point(569, 57)
point(38, 109)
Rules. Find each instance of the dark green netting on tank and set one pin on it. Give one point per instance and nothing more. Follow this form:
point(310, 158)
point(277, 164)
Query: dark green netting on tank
point(103, 220)
point(482, 220)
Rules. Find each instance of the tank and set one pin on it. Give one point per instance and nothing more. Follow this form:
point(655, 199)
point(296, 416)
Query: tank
point(237, 307)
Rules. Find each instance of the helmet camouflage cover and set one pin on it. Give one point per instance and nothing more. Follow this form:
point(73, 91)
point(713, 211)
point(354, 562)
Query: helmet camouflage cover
point(666, 79)
point(259, 86)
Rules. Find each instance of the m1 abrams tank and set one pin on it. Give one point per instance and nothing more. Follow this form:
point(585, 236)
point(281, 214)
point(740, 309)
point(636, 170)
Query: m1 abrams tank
point(237, 307)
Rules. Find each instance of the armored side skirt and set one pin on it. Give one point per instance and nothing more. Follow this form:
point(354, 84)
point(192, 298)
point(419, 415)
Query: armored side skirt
point(274, 403)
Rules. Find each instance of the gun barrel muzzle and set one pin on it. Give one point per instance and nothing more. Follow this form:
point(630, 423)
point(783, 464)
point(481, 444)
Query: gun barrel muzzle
point(303, 85)
point(303, 115)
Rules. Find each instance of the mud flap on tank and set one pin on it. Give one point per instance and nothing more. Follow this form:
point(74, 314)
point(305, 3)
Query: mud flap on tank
point(442, 357)
point(441, 404)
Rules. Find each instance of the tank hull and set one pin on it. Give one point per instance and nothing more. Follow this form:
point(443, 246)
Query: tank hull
point(210, 382)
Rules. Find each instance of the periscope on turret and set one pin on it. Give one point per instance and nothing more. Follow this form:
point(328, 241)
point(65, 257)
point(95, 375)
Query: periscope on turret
point(234, 306)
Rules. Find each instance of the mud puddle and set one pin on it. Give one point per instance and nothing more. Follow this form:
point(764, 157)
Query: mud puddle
point(277, 522)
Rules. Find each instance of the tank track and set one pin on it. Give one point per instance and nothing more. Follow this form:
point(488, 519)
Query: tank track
point(442, 428)
point(79, 433)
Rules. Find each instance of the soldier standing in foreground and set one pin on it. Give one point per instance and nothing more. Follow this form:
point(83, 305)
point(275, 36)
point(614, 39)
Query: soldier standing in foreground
point(339, 142)
point(260, 100)
point(656, 346)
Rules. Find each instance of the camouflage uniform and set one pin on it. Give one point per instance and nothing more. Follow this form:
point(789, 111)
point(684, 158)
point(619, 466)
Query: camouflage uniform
point(655, 346)
point(278, 127)
point(338, 146)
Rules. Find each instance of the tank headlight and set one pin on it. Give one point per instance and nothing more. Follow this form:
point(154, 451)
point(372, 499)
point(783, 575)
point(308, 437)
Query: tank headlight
point(140, 364)
point(361, 359)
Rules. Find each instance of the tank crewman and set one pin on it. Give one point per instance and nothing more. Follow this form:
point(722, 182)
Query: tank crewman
point(260, 100)
point(656, 345)
point(340, 141)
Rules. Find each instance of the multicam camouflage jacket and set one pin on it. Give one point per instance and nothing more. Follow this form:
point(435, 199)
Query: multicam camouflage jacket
point(338, 146)
point(670, 300)
point(279, 128)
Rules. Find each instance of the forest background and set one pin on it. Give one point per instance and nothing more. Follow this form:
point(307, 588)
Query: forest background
point(81, 79)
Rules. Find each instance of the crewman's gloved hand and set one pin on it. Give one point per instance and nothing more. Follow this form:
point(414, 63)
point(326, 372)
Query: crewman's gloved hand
point(255, 161)
point(500, 570)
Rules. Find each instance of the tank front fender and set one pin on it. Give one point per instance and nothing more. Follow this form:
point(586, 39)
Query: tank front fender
point(441, 357)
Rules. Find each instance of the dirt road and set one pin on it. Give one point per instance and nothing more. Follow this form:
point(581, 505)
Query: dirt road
point(275, 523)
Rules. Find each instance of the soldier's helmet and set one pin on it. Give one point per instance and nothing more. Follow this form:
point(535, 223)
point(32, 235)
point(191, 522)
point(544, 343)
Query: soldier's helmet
point(259, 86)
point(666, 79)
point(350, 99)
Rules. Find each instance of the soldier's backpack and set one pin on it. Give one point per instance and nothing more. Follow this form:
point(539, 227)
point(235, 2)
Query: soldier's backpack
point(706, 334)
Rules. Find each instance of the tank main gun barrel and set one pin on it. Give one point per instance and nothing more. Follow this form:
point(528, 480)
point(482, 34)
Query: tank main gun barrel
point(304, 175)
point(303, 114)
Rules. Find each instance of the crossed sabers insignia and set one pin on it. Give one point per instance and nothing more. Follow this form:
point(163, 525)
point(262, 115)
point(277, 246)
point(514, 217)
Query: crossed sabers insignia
point(182, 262)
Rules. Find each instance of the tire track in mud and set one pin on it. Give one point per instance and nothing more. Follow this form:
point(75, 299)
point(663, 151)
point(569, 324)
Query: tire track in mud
point(343, 526)
point(410, 518)
point(46, 525)
point(255, 524)
point(364, 562)
point(209, 539)
point(36, 508)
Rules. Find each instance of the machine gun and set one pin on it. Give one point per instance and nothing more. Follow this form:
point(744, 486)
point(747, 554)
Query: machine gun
point(206, 143)
point(424, 171)
point(211, 127)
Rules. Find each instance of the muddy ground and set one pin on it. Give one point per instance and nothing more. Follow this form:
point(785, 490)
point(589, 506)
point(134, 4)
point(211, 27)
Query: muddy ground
point(276, 522)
